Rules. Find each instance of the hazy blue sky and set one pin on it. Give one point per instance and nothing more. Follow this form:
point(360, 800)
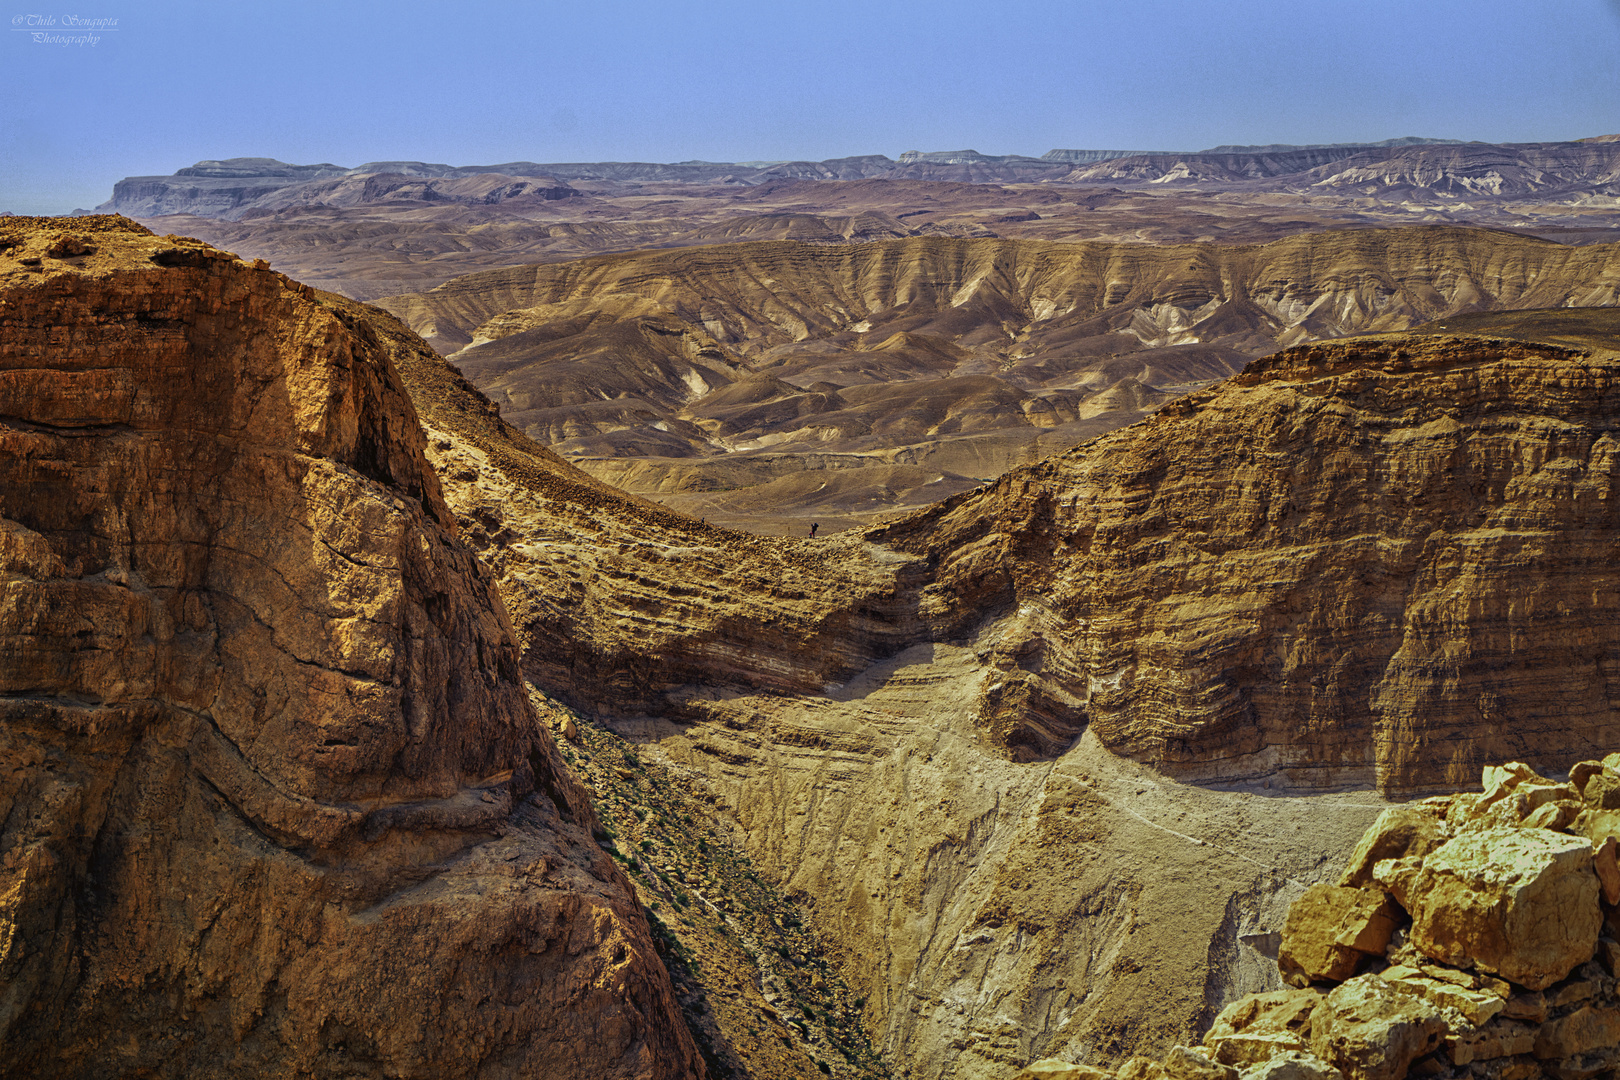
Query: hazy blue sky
point(592, 80)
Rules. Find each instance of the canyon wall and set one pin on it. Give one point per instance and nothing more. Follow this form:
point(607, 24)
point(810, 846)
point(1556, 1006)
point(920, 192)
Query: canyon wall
point(273, 797)
point(1382, 560)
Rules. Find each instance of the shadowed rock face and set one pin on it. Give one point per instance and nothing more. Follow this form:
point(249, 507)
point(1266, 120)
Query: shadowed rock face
point(274, 799)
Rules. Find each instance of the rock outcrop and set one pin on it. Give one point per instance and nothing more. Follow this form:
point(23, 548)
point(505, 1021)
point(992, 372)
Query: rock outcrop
point(1510, 892)
point(274, 799)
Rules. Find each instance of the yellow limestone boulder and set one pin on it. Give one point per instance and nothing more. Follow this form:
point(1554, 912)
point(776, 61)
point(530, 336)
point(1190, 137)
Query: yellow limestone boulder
point(1411, 829)
point(1371, 1032)
point(1257, 1028)
point(1330, 930)
point(1521, 903)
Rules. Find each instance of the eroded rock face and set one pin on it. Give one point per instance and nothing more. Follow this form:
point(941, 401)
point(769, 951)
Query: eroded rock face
point(877, 713)
point(1340, 567)
point(1331, 930)
point(274, 801)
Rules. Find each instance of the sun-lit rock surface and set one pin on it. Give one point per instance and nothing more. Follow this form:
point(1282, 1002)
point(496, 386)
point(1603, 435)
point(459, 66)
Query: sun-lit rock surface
point(274, 799)
point(888, 717)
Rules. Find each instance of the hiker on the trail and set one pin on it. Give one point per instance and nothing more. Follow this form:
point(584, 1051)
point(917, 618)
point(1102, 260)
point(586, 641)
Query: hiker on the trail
point(813, 527)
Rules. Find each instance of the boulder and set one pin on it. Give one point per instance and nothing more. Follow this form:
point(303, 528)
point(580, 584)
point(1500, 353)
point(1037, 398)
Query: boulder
point(1582, 1031)
point(1557, 816)
point(1409, 829)
point(1598, 784)
point(1186, 1064)
point(1370, 1032)
point(1330, 930)
point(1257, 1028)
point(1522, 903)
point(1598, 825)
point(1292, 1065)
point(1607, 867)
point(1515, 795)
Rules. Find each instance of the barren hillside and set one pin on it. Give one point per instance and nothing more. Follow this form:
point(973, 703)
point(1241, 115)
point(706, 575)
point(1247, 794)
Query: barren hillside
point(770, 385)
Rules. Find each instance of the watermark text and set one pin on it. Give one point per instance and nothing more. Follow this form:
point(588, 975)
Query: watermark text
point(63, 30)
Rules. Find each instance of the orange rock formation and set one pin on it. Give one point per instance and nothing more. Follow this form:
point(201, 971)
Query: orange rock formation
point(274, 799)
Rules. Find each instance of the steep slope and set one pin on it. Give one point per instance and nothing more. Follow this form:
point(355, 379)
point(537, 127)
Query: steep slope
point(274, 800)
point(914, 368)
point(971, 933)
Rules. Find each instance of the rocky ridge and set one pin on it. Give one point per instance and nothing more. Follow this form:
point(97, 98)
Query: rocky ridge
point(274, 798)
point(1472, 935)
point(1559, 169)
point(768, 385)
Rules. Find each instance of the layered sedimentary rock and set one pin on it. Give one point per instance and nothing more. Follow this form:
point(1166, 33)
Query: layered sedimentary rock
point(1379, 560)
point(987, 911)
point(1504, 963)
point(770, 385)
point(1373, 561)
point(769, 295)
point(274, 799)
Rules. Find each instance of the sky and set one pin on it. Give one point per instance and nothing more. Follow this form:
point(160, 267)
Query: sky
point(161, 85)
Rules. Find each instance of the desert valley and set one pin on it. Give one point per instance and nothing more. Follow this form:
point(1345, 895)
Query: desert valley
point(1102, 615)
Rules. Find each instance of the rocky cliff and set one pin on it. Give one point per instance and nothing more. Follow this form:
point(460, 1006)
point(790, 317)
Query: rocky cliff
point(274, 799)
point(1558, 169)
point(1396, 552)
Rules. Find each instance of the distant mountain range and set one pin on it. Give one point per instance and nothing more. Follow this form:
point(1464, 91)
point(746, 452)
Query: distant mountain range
point(238, 188)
